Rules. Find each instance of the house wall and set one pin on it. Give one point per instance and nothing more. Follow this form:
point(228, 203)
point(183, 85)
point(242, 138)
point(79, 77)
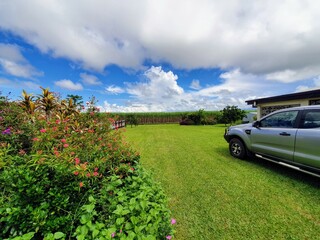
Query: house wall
point(265, 108)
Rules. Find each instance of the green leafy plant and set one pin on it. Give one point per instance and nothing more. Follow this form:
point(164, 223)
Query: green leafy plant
point(231, 114)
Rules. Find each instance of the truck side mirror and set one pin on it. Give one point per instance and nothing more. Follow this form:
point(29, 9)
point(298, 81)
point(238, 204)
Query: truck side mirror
point(256, 124)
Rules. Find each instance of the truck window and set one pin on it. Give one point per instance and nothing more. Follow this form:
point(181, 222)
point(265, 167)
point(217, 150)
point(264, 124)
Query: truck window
point(280, 120)
point(311, 119)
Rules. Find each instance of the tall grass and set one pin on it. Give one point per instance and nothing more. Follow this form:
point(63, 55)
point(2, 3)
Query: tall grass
point(214, 196)
point(164, 117)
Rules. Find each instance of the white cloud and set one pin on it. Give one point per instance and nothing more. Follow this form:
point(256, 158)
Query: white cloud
point(13, 62)
point(18, 84)
point(159, 86)
point(274, 38)
point(114, 89)
point(314, 84)
point(235, 88)
point(68, 84)
point(195, 84)
point(89, 79)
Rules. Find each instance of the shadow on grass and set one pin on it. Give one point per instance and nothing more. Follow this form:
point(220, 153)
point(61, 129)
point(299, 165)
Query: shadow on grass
point(287, 172)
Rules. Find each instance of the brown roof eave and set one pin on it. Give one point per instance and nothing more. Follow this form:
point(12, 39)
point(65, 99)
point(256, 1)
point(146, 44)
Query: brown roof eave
point(286, 97)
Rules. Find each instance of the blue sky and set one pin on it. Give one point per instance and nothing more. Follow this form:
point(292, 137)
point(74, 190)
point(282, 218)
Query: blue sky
point(160, 55)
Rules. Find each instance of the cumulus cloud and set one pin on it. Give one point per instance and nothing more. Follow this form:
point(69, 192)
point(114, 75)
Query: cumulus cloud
point(89, 79)
point(114, 89)
point(69, 85)
point(235, 87)
point(13, 62)
point(195, 84)
point(159, 86)
point(274, 38)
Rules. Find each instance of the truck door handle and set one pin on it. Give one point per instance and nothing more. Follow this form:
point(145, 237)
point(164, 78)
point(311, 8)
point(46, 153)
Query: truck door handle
point(284, 134)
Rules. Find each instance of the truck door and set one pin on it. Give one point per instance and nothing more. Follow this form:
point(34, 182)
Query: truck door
point(275, 135)
point(307, 150)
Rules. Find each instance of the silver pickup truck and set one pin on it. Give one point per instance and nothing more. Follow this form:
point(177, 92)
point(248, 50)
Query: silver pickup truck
point(290, 137)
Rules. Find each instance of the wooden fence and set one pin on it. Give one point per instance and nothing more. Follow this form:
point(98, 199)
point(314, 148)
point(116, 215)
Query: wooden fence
point(119, 124)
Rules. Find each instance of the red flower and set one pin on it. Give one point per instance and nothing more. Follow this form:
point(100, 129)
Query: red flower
point(96, 169)
point(76, 173)
point(77, 160)
point(63, 140)
point(95, 174)
point(81, 184)
point(65, 145)
point(88, 174)
point(35, 139)
point(43, 130)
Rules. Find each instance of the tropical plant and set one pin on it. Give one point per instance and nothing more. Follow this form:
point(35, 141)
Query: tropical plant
point(27, 103)
point(77, 101)
point(46, 102)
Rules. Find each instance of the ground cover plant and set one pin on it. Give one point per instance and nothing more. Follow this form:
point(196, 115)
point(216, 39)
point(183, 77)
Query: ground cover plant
point(214, 196)
point(68, 175)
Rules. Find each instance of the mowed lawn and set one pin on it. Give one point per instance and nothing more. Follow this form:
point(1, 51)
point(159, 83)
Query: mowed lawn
point(214, 196)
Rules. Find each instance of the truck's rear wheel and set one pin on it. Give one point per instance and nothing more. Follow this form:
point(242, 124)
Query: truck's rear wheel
point(237, 148)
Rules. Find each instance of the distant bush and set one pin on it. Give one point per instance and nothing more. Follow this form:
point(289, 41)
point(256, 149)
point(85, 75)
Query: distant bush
point(231, 114)
point(198, 118)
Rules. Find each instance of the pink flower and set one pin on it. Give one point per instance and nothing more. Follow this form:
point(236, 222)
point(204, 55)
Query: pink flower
point(88, 174)
point(22, 152)
point(63, 140)
point(95, 174)
point(96, 169)
point(76, 173)
point(35, 139)
point(168, 237)
point(77, 161)
point(65, 145)
point(81, 184)
point(43, 130)
point(173, 221)
point(113, 234)
point(57, 121)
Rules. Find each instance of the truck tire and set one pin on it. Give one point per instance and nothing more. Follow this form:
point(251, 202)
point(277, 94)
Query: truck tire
point(237, 148)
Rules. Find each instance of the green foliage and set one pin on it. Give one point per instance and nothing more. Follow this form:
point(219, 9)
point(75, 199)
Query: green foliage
point(198, 118)
point(132, 119)
point(231, 114)
point(137, 209)
point(168, 117)
point(15, 130)
point(77, 101)
point(45, 190)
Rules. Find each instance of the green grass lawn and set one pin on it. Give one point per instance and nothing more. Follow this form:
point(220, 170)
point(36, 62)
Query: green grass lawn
point(214, 196)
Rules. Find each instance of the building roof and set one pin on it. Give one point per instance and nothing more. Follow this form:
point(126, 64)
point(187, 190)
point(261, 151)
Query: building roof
point(286, 97)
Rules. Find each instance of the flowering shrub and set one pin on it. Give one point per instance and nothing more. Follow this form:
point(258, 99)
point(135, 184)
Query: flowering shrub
point(74, 177)
point(14, 130)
